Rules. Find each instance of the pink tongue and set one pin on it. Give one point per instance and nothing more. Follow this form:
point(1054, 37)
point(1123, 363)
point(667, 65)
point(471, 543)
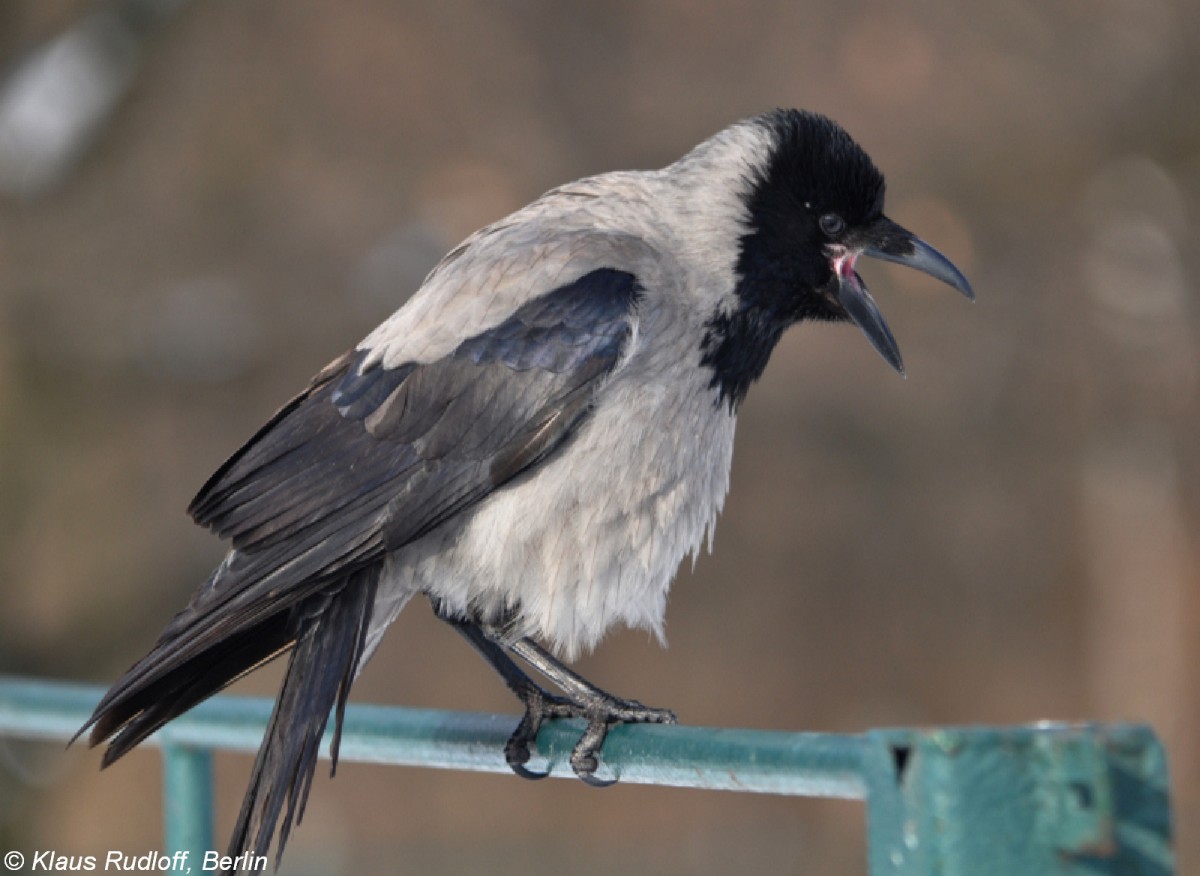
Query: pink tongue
point(846, 266)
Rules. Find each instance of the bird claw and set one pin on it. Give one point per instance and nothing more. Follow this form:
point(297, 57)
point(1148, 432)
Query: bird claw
point(516, 752)
point(539, 706)
point(602, 713)
point(592, 782)
point(585, 758)
point(525, 772)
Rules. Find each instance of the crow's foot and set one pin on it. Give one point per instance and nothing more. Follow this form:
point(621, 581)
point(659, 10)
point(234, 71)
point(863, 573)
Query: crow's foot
point(602, 712)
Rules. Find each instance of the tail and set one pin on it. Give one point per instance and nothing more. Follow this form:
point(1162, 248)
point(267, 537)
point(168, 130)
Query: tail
point(326, 634)
point(319, 674)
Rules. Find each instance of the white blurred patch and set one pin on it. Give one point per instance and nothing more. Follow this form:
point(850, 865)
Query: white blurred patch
point(1135, 185)
point(1132, 268)
point(1131, 261)
point(54, 102)
point(57, 99)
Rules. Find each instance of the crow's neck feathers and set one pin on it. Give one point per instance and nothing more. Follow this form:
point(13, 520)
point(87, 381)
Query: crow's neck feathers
point(799, 167)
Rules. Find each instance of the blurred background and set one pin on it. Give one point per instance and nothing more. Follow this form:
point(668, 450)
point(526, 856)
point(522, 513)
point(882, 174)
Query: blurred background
point(200, 205)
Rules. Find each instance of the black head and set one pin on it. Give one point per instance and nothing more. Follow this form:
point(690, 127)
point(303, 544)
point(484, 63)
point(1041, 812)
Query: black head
point(813, 206)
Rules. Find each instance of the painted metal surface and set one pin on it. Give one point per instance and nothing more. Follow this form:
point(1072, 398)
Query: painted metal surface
point(188, 800)
point(1041, 800)
point(1044, 800)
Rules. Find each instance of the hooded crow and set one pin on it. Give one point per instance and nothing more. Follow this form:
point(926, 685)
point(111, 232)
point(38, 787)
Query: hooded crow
point(533, 442)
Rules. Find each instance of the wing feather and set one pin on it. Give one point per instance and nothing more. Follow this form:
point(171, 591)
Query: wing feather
point(369, 459)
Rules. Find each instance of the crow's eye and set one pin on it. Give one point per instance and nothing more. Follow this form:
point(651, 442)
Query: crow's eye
point(832, 224)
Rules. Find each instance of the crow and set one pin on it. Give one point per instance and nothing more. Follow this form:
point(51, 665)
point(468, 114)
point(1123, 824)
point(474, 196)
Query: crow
point(534, 441)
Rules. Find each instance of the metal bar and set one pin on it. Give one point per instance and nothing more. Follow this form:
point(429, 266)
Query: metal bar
point(188, 800)
point(808, 764)
point(1042, 800)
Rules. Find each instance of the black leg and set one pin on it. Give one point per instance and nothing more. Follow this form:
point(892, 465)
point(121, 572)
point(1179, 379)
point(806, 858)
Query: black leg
point(601, 710)
point(539, 704)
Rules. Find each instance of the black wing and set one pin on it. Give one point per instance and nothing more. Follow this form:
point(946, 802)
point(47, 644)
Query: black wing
point(418, 443)
point(364, 462)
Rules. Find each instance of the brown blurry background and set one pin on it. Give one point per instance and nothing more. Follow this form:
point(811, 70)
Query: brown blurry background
point(1008, 535)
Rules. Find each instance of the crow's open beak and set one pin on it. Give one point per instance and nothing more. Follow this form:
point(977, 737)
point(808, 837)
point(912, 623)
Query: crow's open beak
point(886, 240)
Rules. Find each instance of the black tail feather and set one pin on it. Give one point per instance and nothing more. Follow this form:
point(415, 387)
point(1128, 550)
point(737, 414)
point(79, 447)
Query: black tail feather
point(130, 718)
point(331, 633)
point(327, 637)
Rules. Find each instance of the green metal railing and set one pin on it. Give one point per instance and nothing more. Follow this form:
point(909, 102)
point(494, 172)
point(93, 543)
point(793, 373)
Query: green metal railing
point(1067, 800)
